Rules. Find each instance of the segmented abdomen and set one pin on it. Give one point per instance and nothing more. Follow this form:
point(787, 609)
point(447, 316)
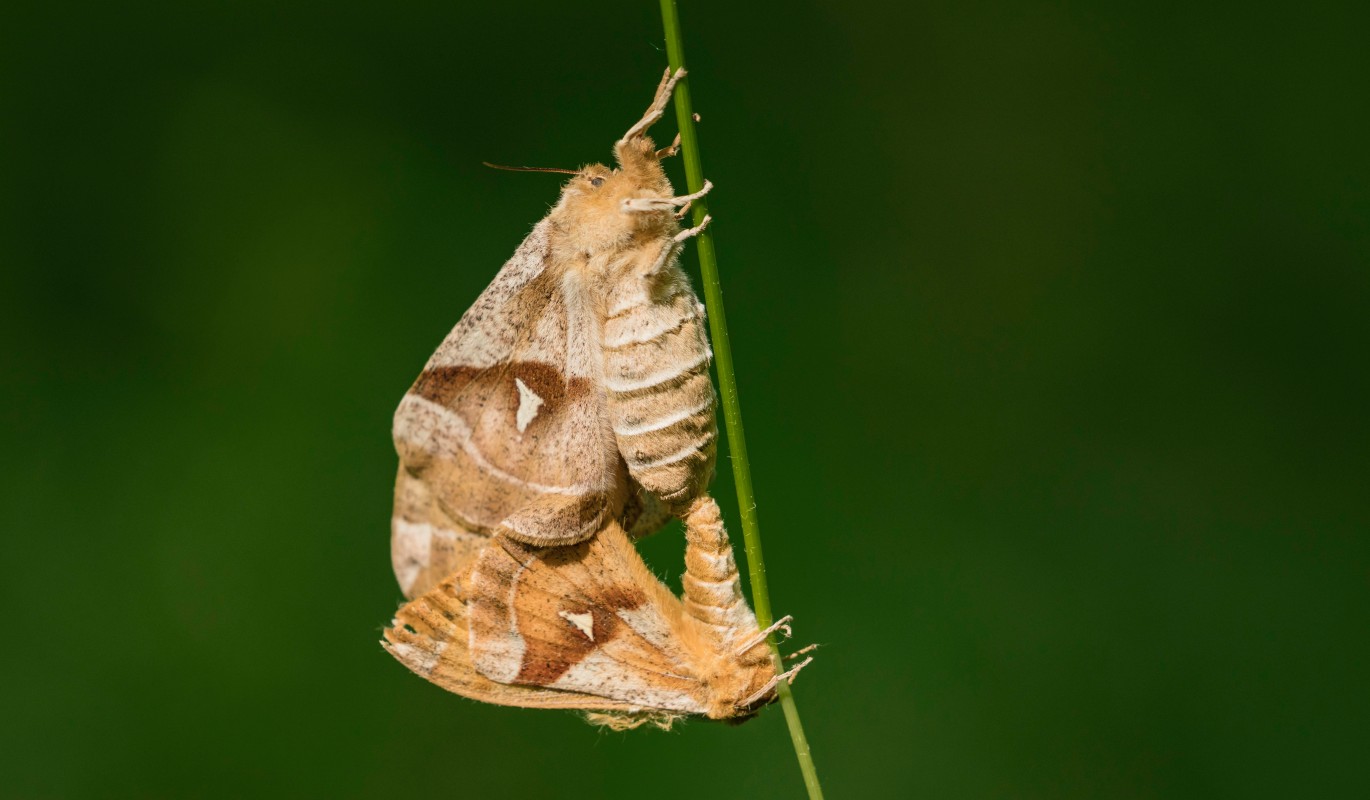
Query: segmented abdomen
point(661, 401)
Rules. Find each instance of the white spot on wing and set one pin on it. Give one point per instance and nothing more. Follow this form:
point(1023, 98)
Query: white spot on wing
point(584, 621)
point(440, 431)
point(529, 403)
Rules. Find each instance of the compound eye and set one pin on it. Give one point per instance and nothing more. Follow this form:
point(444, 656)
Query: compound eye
point(596, 181)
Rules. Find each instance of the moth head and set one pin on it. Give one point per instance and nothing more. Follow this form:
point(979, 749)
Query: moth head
point(592, 214)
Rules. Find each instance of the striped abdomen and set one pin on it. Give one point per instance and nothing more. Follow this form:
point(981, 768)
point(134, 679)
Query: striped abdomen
point(661, 401)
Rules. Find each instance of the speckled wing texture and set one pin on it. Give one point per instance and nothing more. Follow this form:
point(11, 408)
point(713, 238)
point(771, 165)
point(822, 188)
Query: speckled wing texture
point(580, 627)
point(505, 430)
point(431, 636)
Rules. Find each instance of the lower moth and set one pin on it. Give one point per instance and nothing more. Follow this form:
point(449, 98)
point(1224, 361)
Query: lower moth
point(568, 411)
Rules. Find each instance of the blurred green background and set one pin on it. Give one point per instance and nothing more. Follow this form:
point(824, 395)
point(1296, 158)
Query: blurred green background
point(1051, 320)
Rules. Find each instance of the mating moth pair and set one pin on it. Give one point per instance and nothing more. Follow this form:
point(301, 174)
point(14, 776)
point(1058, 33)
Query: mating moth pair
point(567, 413)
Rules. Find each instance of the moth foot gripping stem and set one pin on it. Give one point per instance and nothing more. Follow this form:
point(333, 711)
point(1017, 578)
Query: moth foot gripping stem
point(788, 676)
point(665, 203)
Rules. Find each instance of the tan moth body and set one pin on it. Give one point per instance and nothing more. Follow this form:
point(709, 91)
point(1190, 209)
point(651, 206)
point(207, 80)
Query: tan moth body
point(568, 410)
point(661, 401)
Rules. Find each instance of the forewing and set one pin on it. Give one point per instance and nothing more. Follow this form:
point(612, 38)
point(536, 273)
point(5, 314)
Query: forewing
point(430, 636)
point(589, 619)
point(506, 426)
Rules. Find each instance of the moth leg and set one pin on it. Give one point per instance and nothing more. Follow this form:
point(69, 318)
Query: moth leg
point(689, 198)
point(665, 203)
point(788, 676)
point(782, 624)
point(691, 232)
point(661, 84)
point(685, 209)
point(658, 106)
point(667, 152)
point(667, 252)
point(801, 651)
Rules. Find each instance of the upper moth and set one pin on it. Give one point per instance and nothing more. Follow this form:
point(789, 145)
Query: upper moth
point(575, 390)
point(571, 405)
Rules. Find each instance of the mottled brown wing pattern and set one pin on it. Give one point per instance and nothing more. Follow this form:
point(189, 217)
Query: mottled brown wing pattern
point(506, 427)
point(430, 636)
point(585, 618)
point(426, 544)
point(569, 409)
point(588, 626)
point(516, 448)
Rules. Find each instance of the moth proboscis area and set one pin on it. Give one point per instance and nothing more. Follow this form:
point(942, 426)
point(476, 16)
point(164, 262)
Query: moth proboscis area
point(569, 411)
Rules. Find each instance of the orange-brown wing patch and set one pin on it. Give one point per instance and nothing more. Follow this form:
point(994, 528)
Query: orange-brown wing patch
point(587, 618)
point(429, 636)
point(508, 426)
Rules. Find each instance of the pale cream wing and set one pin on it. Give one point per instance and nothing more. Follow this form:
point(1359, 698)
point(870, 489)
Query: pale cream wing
point(589, 618)
point(506, 428)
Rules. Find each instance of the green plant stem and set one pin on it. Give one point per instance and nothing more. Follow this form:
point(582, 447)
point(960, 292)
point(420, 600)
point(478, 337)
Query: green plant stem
point(727, 386)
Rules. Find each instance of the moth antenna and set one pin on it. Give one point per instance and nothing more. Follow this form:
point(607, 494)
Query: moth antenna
point(531, 169)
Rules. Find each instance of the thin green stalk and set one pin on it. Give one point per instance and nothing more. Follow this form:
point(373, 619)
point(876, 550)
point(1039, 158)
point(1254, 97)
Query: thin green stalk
point(727, 386)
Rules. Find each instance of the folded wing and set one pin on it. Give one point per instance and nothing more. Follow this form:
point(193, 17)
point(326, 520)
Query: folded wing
point(506, 427)
point(589, 619)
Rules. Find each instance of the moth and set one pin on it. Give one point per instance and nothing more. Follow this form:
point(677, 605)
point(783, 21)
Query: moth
point(569, 411)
